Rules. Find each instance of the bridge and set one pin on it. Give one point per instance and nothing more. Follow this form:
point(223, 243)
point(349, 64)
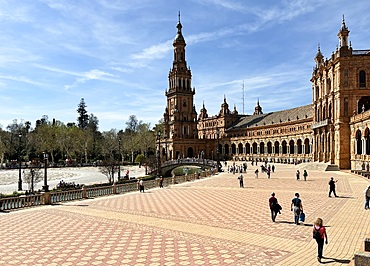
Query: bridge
point(168, 166)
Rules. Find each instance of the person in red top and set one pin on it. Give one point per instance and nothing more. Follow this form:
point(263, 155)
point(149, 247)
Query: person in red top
point(319, 233)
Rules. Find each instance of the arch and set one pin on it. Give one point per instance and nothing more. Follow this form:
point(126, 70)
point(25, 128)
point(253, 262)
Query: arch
point(226, 148)
point(190, 152)
point(233, 148)
point(240, 148)
point(307, 146)
point(291, 147)
point(363, 104)
point(367, 141)
point(276, 145)
point(284, 147)
point(358, 142)
point(247, 148)
point(254, 148)
point(299, 146)
point(269, 147)
point(262, 148)
point(362, 79)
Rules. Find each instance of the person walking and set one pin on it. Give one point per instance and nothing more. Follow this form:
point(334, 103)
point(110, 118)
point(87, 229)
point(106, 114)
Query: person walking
point(256, 173)
point(305, 174)
point(297, 174)
point(274, 206)
point(141, 183)
point(367, 197)
point(241, 182)
point(161, 181)
point(319, 234)
point(332, 186)
point(296, 207)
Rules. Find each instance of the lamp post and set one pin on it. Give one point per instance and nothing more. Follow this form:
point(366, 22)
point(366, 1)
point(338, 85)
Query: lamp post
point(119, 162)
point(46, 187)
point(218, 151)
point(159, 153)
point(202, 153)
point(19, 163)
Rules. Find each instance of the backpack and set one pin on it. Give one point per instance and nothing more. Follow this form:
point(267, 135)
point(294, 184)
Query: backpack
point(316, 233)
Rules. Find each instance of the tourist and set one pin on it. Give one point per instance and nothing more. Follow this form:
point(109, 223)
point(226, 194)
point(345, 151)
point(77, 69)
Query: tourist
point(161, 181)
point(297, 208)
point(274, 206)
point(367, 197)
point(241, 182)
point(305, 174)
point(268, 172)
point(319, 233)
point(256, 173)
point(273, 168)
point(297, 174)
point(141, 184)
point(332, 186)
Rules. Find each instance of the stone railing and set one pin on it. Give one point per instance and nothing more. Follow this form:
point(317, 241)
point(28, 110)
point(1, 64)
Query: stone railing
point(48, 198)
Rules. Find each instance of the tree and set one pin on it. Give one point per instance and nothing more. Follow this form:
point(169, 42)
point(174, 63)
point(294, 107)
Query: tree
point(83, 118)
point(32, 177)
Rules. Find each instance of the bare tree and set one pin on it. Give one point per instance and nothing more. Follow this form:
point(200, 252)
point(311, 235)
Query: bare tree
point(32, 176)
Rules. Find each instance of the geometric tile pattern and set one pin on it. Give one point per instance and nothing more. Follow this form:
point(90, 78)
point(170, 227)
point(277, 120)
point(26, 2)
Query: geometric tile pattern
point(206, 222)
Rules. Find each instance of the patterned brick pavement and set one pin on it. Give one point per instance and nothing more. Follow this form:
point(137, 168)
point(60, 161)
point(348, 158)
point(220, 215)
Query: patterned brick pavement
point(206, 222)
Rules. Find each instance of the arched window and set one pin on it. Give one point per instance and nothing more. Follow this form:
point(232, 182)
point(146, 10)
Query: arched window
point(247, 148)
point(358, 142)
point(362, 77)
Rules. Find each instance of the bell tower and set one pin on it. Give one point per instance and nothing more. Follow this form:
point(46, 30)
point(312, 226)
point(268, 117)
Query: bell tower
point(180, 115)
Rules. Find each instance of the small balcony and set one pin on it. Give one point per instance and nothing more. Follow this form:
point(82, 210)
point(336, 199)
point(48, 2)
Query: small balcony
point(322, 123)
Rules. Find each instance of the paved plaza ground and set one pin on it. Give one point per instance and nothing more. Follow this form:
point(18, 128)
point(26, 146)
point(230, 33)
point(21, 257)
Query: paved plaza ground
point(206, 222)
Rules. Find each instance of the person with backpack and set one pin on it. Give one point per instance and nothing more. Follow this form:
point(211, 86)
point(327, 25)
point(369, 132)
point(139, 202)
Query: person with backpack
point(297, 208)
point(367, 197)
point(274, 206)
point(319, 234)
point(305, 174)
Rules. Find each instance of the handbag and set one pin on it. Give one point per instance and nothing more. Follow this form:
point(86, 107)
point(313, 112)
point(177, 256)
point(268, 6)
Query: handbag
point(302, 216)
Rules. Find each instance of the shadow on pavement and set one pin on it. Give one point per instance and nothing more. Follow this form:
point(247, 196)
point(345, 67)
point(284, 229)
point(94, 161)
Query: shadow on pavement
point(332, 260)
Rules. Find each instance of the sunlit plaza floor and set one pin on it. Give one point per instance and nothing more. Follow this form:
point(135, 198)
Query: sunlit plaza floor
point(211, 221)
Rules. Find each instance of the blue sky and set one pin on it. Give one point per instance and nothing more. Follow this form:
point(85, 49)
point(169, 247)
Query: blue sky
point(116, 54)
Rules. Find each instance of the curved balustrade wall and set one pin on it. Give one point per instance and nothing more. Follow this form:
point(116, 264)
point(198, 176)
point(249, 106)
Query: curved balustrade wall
point(84, 193)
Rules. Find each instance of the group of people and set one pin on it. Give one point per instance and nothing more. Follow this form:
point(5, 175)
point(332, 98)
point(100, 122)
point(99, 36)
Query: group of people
point(318, 230)
point(298, 174)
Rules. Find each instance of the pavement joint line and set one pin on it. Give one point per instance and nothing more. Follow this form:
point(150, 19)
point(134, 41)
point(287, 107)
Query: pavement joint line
point(191, 228)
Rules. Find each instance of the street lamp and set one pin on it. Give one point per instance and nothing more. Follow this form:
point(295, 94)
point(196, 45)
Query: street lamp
point(218, 151)
point(45, 187)
point(159, 153)
point(202, 153)
point(119, 163)
point(19, 163)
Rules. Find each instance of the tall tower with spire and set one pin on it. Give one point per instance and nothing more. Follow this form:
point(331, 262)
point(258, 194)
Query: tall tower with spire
point(180, 117)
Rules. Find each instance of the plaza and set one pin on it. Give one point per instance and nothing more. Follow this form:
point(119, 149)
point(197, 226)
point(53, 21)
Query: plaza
point(205, 222)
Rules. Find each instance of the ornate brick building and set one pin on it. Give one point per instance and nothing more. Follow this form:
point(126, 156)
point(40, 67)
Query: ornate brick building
point(334, 129)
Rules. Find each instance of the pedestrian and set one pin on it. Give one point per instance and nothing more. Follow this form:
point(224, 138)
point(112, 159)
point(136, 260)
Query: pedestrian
point(273, 168)
point(141, 183)
point(332, 186)
point(319, 233)
point(367, 197)
point(305, 174)
point(256, 173)
point(297, 174)
point(241, 182)
point(161, 181)
point(138, 184)
point(296, 207)
point(268, 173)
point(274, 206)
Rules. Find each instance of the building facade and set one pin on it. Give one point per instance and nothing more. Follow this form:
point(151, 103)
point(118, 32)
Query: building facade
point(334, 129)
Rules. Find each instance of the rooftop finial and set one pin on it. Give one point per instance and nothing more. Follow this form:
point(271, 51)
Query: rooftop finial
point(179, 16)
